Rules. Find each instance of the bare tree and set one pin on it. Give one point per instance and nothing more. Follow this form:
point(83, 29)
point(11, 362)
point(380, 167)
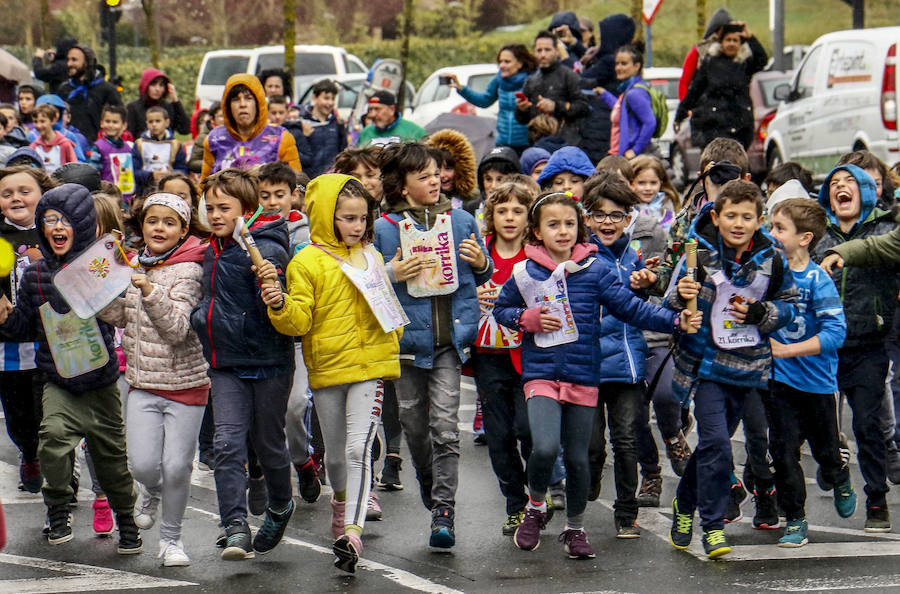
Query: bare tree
point(290, 36)
point(701, 18)
point(152, 30)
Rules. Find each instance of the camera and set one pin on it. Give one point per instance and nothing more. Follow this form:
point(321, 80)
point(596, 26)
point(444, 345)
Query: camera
point(445, 80)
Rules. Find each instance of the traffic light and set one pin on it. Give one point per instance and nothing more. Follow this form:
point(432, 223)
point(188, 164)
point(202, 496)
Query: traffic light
point(113, 3)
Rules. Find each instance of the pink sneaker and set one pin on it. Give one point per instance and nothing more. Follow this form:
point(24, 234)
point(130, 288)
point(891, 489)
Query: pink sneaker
point(103, 518)
point(373, 510)
point(337, 518)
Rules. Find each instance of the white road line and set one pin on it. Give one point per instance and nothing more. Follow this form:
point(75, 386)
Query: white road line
point(398, 576)
point(820, 584)
point(86, 578)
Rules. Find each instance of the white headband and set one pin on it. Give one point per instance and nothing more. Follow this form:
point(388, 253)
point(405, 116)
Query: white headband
point(176, 203)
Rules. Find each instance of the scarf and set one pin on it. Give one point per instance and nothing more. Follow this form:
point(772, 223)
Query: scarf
point(148, 260)
point(82, 88)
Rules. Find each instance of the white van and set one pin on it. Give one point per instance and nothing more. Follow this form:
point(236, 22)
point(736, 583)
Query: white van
point(842, 98)
point(311, 63)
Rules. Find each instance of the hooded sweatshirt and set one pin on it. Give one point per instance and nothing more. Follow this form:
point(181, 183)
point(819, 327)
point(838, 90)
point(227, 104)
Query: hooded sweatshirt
point(568, 158)
point(343, 341)
point(576, 49)
point(37, 288)
point(615, 31)
point(264, 143)
point(55, 153)
point(137, 109)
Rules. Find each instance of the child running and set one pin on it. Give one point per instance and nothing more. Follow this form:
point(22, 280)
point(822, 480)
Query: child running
point(560, 354)
point(337, 293)
point(165, 365)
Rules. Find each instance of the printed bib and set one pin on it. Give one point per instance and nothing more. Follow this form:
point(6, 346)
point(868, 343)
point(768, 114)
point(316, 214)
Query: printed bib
point(553, 294)
point(375, 286)
point(156, 155)
point(92, 280)
point(435, 246)
point(76, 343)
point(727, 332)
point(491, 334)
point(52, 159)
point(121, 166)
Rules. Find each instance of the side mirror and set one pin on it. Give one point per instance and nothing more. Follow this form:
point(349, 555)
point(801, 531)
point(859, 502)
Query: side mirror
point(782, 92)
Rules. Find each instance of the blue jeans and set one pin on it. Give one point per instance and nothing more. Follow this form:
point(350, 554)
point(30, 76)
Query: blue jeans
point(256, 409)
point(705, 485)
point(551, 421)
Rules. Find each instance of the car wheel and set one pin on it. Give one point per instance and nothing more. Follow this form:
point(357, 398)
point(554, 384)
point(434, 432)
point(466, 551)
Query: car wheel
point(774, 158)
point(679, 168)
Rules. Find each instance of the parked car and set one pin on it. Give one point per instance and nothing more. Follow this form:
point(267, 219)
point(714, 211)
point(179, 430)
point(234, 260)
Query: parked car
point(666, 80)
point(311, 63)
point(433, 98)
point(685, 157)
point(842, 98)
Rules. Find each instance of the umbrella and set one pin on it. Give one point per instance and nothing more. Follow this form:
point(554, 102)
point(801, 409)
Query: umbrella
point(480, 131)
point(11, 68)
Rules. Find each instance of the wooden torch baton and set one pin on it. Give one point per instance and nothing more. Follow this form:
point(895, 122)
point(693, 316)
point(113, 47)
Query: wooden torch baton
point(255, 256)
point(690, 262)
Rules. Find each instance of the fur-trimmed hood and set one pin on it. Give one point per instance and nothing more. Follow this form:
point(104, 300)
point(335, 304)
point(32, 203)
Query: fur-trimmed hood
point(744, 54)
point(458, 145)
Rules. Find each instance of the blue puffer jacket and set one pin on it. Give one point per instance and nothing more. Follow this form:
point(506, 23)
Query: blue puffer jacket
point(623, 350)
point(589, 289)
point(509, 131)
point(231, 319)
point(75, 203)
point(318, 150)
point(417, 343)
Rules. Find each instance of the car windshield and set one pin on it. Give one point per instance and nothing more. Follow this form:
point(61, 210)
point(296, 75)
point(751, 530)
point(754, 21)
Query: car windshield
point(768, 89)
point(305, 63)
point(219, 68)
point(668, 86)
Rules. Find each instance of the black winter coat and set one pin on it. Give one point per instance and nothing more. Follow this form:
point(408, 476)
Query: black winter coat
point(719, 95)
point(86, 111)
point(562, 86)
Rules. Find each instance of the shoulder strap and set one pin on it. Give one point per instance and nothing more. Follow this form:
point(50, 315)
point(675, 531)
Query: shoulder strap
point(390, 217)
point(777, 276)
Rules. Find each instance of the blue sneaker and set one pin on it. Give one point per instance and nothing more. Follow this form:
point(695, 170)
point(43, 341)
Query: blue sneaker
point(442, 533)
point(794, 535)
point(844, 499)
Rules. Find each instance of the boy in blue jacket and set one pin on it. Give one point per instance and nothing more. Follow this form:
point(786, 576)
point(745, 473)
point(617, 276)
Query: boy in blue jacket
point(745, 293)
point(801, 405)
point(251, 366)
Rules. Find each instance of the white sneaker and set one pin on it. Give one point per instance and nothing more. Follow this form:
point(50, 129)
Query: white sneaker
point(145, 511)
point(172, 554)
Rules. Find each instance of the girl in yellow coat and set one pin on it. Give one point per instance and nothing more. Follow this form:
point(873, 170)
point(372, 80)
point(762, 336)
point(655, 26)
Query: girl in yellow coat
point(340, 301)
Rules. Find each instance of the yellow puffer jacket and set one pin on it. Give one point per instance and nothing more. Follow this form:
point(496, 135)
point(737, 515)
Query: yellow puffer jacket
point(342, 340)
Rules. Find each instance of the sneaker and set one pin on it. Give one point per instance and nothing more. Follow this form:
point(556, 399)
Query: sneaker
point(480, 438)
point(337, 517)
point(238, 545)
point(130, 542)
point(576, 544)
point(30, 477)
point(257, 496)
point(373, 509)
point(60, 527)
point(207, 460)
point(442, 532)
point(310, 487)
point(651, 489)
point(221, 539)
point(269, 534)
point(736, 500)
point(766, 516)
point(557, 495)
point(878, 519)
point(893, 463)
point(145, 513)
point(512, 522)
point(172, 553)
point(794, 535)
point(845, 499)
point(528, 535)
point(678, 451)
point(103, 518)
point(714, 543)
point(627, 528)
point(682, 527)
point(389, 479)
point(347, 550)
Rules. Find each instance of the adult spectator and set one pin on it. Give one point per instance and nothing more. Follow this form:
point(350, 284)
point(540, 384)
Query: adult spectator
point(86, 92)
point(567, 29)
point(276, 82)
point(553, 89)
point(695, 56)
point(587, 32)
point(155, 89)
point(632, 119)
point(320, 135)
point(246, 133)
point(50, 65)
point(387, 126)
point(719, 96)
point(515, 63)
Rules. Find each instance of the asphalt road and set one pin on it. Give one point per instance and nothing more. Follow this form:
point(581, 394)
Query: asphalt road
point(840, 555)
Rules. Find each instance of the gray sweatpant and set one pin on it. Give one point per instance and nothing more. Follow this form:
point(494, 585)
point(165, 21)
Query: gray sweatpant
point(162, 436)
point(349, 415)
point(298, 410)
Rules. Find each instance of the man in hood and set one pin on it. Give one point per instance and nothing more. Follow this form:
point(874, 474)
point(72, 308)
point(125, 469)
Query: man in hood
point(56, 72)
point(86, 91)
point(568, 29)
point(387, 126)
point(246, 133)
point(156, 89)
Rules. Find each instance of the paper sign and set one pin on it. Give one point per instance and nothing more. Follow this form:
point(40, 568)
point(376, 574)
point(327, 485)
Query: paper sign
point(76, 344)
point(436, 248)
point(92, 280)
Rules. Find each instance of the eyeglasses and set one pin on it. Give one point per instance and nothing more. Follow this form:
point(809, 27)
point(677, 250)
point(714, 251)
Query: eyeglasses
point(614, 217)
point(52, 220)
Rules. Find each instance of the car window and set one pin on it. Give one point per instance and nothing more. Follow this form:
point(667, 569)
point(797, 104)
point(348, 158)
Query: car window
point(768, 90)
point(806, 78)
point(668, 86)
point(304, 63)
point(352, 66)
point(426, 93)
point(219, 68)
point(480, 82)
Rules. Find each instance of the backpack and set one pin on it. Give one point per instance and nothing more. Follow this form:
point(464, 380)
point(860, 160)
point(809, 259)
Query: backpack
point(659, 107)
